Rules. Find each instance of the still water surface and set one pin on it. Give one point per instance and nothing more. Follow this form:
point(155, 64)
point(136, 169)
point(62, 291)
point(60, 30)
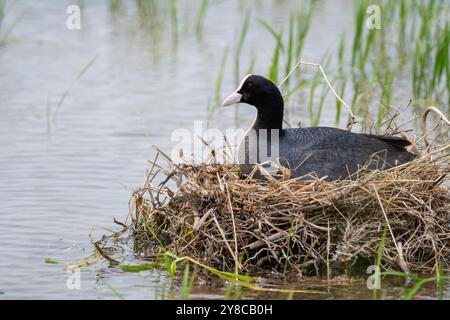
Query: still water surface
point(63, 177)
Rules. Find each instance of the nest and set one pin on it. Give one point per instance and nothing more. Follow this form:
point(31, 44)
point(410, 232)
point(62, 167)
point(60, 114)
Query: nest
point(234, 223)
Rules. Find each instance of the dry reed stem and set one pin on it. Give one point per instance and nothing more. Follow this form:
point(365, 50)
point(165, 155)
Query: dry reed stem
point(442, 118)
point(349, 109)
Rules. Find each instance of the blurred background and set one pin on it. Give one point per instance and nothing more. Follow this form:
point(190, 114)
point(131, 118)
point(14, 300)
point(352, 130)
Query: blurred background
point(80, 109)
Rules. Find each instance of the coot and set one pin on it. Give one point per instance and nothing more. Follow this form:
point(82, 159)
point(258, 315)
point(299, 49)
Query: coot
point(325, 152)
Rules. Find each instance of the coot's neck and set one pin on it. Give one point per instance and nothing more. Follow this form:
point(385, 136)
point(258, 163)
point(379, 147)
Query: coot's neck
point(270, 112)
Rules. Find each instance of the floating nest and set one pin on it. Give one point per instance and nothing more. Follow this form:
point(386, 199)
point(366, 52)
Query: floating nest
point(232, 222)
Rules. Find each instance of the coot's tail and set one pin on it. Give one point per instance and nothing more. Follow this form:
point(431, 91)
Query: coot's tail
point(392, 140)
point(397, 153)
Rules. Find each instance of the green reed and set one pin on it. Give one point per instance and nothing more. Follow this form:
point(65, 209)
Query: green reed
point(174, 16)
point(441, 61)
point(232, 292)
point(240, 45)
point(219, 77)
point(409, 291)
point(274, 66)
point(214, 103)
point(342, 77)
point(418, 282)
point(251, 66)
point(422, 40)
point(186, 284)
point(413, 36)
point(384, 69)
point(113, 290)
point(279, 49)
point(440, 282)
point(360, 14)
point(147, 7)
point(288, 245)
point(115, 5)
point(314, 116)
point(52, 112)
point(287, 51)
point(323, 94)
point(2, 11)
point(379, 257)
point(303, 17)
point(201, 15)
point(431, 56)
point(80, 74)
point(403, 13)
point(4, 36)
point(290, 47)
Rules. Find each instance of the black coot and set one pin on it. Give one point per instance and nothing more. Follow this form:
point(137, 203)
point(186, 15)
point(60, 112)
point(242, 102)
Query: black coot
point(325, 152)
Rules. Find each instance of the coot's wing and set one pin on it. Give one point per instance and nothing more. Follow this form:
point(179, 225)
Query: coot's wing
point(317, 151)
point(336, 153)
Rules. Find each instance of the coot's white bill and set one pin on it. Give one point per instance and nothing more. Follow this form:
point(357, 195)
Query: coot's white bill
point(232, 99)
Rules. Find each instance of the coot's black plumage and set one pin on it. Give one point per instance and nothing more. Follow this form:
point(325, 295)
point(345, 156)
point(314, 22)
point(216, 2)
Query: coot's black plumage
point(326, 152)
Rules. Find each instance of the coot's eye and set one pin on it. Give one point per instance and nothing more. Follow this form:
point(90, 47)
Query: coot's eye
point(249, 85)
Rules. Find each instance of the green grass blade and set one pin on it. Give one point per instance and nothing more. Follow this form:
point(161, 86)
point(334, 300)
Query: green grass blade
point(139, 267)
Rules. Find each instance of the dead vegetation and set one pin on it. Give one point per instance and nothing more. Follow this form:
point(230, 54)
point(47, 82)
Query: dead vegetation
point(215, 215)
point(234, 223)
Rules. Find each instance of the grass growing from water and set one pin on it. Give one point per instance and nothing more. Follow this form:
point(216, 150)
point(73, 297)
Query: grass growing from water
point(273, 71)
point(240, 45)
point(289, 49)
point(303, 19)
point(219, 77)
point(315, 110)
point(421, 44)
point(360, 13)
point(187, 283)
point(174, 18)
point(217, 100)
point(5, 34)
point(237, 53)
point(115, 5)
point(279, 49)
point(2, 12)
point(379, 258)
point(287, 255)
point(341, 78)
point(113, 290)
point(232, 292)
point(418, 43)
point(418, 282)
point(52, 116)
point(201, 15)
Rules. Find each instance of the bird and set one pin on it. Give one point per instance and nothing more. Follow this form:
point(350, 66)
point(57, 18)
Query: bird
point(315, 152)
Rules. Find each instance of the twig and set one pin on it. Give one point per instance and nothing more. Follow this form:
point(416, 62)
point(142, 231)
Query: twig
point(225, 239)
point(349, 109)
point(424, 122)
point(237, 266)
point(397, 246)
point(328, 251)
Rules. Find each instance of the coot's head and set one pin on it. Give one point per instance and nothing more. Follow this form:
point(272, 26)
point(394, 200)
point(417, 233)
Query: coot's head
point(256, 91)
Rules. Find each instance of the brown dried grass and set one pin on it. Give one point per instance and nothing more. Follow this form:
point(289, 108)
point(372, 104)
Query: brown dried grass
point(234, 223)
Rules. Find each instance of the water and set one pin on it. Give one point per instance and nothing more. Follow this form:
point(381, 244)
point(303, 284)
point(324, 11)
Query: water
point(63, 177)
